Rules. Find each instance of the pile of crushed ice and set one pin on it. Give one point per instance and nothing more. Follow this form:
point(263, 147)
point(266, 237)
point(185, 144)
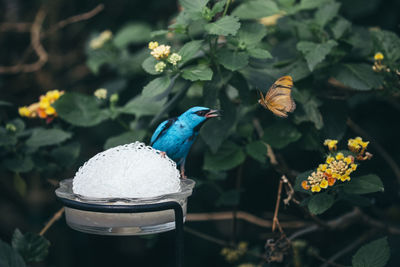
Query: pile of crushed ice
point(128, 171)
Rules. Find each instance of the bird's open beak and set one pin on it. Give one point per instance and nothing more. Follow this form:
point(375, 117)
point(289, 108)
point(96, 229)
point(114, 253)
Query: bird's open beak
point(212, 113)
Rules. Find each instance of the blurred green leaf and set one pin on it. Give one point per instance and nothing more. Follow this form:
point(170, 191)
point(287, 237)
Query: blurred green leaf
point(46, 137)
point(193, 5)
point(280, 134)
point(320, 202)
point(156, 87)
point(315, 53)
point(19, 184)
point(141, 106)
point(6, 138)
point(373, 254)
point(309, 109)
point(256, 9)
point(340, 27)
point(258, 151)
point(149, 65)
point(31, 246)
point(259, 53)
point(99, 57)
point(232, 60)
point(19, 163)
point(189, 50)
point(251, 33)
point(125, 138)
point(228, 156)
point(229, 198)
point(132, 33)
point(197, 73)
point(388, 43)
point(364, 184)
point(358, 76)
point(80, 110)
point(326, 13)
point(225, 26)
point(66, 155)
point(9, 257)
point(311, 4)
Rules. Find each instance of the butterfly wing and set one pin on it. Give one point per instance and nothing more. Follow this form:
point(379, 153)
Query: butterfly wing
point(279, 99)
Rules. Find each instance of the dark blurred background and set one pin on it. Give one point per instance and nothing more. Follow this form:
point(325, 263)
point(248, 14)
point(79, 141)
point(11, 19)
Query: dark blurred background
point(66, 70)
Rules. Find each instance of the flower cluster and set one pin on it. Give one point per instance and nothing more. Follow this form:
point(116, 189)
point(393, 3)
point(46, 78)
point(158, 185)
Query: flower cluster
point(100, 93)
point(378, 66)
point(162, 52)
point(233, 254)
point(43, 108)
point(100, 40)
point(337, 166)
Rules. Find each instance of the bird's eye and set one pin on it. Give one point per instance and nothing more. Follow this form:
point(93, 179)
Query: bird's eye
point(202, 113)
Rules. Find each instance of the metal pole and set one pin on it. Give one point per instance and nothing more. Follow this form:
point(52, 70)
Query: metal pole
point(179, 241)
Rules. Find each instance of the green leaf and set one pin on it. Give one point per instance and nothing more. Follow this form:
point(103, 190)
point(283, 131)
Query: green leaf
point(132, 33)
point(125, 138)
point(232, 60)
point(6, 138)
point(358, 76)
point(215, 131)
point(259, 53)
point(66, 155)
point(228, 157)
point(340, 27)
point(364, 184)
point(80, 110)
point(309, 109)
point(149, 65)
point(280, 134)
point(315, 53)
point(299, 179)
point(156, 87)
point(229, 198)
point(373, 254)
point(99, 57)
point(141, 106)
point(31, 246)
point(320, 202)
point(257, 150)
point(388, 43)
point(193, 5)
point(189, 50)
point(9, 257)
point(19, 164)
point(326, 13)
point(218, 7)
point(47, 137)
point(225, 26)
point(311, 4)
point(256, 9)
point(251, 33)
point(197, 73)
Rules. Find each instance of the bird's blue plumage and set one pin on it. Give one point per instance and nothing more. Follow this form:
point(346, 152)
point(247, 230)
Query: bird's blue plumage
point(176, 136)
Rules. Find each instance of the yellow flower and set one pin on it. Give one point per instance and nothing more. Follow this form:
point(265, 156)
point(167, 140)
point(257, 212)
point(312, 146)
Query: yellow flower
point(324, 184)
point(100, 40)
point(305, 185)
point(378, 56)
point(344, 178)
point(101, 93)
point(316, 188)
point(270, 20)
point(348, 160)
point(353, 166)
point(339, 156)
point(161, 52)
point(174, 58)
point(160, 66)
point(322, 167)
point(50, 110)
point(153, 45)
point(44, 102)
point(329, 159)
point(331, 144)
point(24, 111)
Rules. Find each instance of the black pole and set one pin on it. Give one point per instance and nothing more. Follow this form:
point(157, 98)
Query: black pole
point(179, 245)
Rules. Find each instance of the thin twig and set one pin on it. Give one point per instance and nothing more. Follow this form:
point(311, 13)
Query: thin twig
point(378, 147)
point(289, 191)
point(53, 219)
point(239, 176)
point(278, 201)
point(241, 215)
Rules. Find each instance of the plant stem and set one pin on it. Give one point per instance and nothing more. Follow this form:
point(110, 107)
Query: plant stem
point(226, 7)
point(55, 217)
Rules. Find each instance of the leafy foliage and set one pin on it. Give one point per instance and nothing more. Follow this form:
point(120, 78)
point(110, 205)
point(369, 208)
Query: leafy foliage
point(375, 253)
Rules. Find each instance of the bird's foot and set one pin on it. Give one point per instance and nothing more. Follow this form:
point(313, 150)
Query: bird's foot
point(163, 154)
point(183, 175)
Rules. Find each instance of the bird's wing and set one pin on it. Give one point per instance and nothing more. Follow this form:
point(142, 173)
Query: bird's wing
point(162, 129)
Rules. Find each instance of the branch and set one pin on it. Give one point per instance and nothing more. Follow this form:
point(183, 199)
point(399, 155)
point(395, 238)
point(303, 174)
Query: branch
point(228, 215)
point(53, 219)
point(381, 151)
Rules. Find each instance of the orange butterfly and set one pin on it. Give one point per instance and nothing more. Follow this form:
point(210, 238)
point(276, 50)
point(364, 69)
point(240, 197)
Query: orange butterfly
point(278, 98)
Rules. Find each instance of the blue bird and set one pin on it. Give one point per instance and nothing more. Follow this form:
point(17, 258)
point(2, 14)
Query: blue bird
point(175, 136)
